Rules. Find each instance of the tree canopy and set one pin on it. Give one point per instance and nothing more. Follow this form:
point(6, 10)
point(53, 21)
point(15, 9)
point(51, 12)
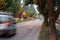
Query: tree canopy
point(10, 5)
point(2, 4)
point(28, 2)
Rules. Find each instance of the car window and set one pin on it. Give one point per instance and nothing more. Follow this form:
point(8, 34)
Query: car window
point(6, 18)
point(3, 18)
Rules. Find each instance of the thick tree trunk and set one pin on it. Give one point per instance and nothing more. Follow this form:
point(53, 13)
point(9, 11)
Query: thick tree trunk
point(52, 31)
point(51, 15)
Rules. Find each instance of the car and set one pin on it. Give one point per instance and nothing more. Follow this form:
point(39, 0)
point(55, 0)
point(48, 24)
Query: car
point(7, 25)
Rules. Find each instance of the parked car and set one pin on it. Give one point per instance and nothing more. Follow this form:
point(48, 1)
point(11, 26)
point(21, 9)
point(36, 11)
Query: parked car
point(7, 25)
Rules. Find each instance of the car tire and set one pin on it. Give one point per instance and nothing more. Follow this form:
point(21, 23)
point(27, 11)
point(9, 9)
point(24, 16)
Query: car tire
point(9, 34)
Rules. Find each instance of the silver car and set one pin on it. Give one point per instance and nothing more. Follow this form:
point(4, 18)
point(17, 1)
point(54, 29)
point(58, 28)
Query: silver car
point(7, 25)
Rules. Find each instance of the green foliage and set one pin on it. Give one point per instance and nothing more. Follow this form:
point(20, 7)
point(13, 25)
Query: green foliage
point(55, 2)
point(58, 1)
point(28, 2)
point(2, 4)
point(30, 14)
point(12, 5)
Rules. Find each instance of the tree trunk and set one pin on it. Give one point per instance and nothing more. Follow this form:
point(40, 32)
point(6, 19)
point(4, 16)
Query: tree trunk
point(52, 29)
point(51, 15)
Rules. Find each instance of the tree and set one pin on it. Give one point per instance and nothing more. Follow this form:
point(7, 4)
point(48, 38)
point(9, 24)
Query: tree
point(30, 13)
point(12, 5)
point(28, 2)
point(49, 11)
point(51, 14)
point(2, 4)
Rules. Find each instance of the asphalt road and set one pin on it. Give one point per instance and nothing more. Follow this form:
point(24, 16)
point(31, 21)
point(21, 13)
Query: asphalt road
point(26, 31)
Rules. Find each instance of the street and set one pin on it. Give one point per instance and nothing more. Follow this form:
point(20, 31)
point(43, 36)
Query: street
point(26, 30)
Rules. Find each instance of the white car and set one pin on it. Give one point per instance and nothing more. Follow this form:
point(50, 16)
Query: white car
point(7, 26)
